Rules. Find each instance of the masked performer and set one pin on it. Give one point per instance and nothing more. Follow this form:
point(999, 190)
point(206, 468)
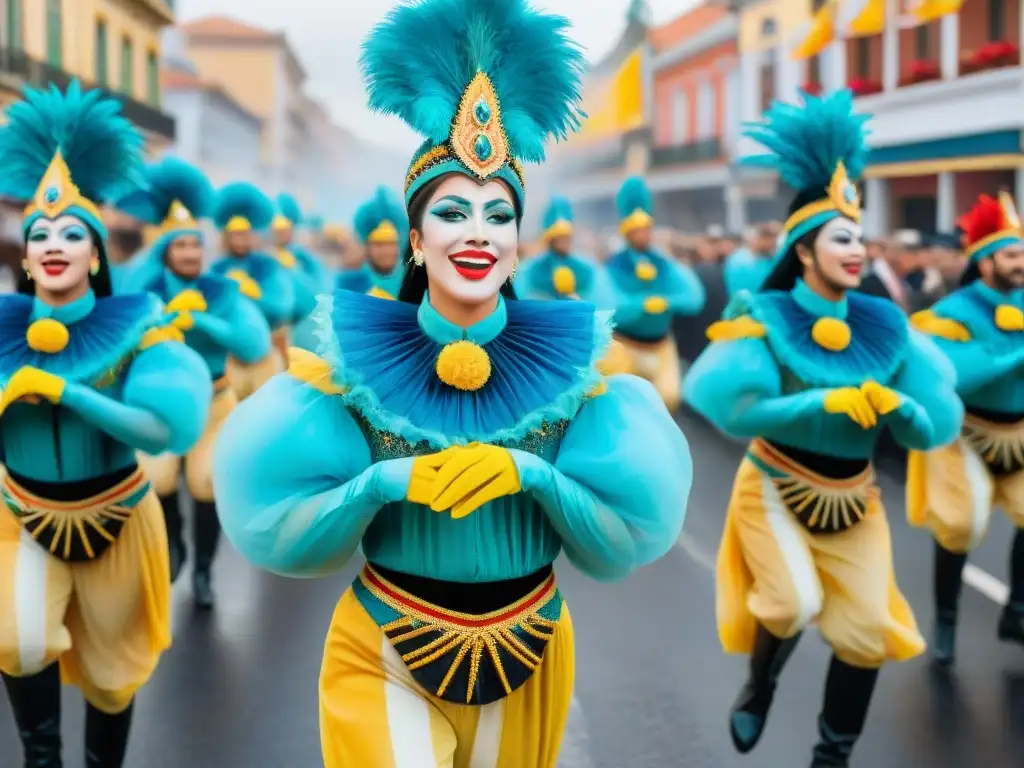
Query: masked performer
point(811, 371)
point(239, 211)
point(652, 289)
point(557, 273)
point(953, 489)
point(88, 379)
point(383, 226)
point(470, 437)
point(217, 321)
point(305, 268)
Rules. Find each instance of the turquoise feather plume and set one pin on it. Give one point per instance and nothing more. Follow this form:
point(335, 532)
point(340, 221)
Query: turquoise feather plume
point(633, 195)
point(559, 209)
point(383, 206)
point(289, 207)
point(166, 181)
point(102, 149)
point(806, 142)
point(242, 199)
point(421, 58)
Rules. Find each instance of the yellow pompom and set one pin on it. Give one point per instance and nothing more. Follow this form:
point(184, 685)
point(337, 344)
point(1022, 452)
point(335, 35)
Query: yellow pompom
point(831, 333)
point(564, 280)
point(47, 335)
point(463, 365)
point(646, 271)
point(1009, 318)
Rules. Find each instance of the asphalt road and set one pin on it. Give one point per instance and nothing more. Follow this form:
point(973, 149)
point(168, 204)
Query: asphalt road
point(239, 687)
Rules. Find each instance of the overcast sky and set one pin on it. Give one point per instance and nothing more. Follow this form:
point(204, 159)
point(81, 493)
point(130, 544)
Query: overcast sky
point(326, 35)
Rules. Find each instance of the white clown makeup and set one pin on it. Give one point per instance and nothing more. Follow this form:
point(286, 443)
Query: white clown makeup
point(839, 253)
point(59, 254)
point(469, 239)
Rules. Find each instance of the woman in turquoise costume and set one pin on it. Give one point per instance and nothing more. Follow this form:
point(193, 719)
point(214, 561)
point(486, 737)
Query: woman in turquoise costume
point(557, 273)
point(88, 379)
point(382, 225)
point(463, 438)
point(305, 268)
point(239, 211)
point(811, 371)
point(217, 321)
point(652, 289)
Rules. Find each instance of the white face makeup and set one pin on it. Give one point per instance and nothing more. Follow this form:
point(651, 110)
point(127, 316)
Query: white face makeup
point(469, 238)
point(840, 253)
point(59, 253)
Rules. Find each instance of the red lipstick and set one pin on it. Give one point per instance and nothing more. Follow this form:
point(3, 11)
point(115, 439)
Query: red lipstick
point(472, 264)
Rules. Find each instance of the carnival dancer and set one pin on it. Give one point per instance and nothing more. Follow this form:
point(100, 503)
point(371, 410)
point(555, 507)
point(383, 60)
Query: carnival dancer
point(88, 378)
point(652, 289)
point(383, 226)
point(478, 427)
point(953, 489)
point(306, 269)
point(747, 267)
point(217, 321)
point(240, 210)
point(811, 371)
point(558, 273)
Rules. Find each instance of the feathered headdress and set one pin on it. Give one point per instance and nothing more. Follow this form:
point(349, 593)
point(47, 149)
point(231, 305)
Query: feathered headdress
point(382, 218)
point(558, 218)
point(991, 225)
point(820, 149)
point(241, 207)
point(69, 153)
point(289, 213)
point(635, 205)
point(487, 82)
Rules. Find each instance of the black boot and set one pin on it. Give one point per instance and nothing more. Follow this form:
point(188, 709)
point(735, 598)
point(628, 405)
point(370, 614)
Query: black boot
point(106, 737)
point(750, 712)
point(35, 701)
point(949, 569)
point(847, 696)
point(175, 542)
point(206, 536)
point(1011, 623)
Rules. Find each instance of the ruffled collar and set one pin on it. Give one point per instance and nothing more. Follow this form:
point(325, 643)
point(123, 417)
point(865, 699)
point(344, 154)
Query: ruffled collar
point(543, 358)
point(816, 304)
point(66, 314)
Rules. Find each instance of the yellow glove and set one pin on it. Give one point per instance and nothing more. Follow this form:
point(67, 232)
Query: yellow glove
point(655, 305)
point(379, 293)
point(477, 474)
point(249, 287)
point(424, 473)
point(184, 321)
point(882, 399)
point(853, 403)
point(187, 301)
point(30, 383)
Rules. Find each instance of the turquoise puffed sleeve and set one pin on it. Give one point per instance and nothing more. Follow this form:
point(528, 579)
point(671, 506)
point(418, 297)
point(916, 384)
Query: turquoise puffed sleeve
point(736, 385)
point(617, 492)
point(164, 403)
point(294, 483)
point(931, 412)
point(685, 294)
point(243, 331)
point(978, 364)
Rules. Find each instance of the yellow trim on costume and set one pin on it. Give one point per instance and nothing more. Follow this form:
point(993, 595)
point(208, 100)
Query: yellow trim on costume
point(561, 228)
point(160, 335)
point(470, 128)
point(927, 322)
point(57, 193)
point(285, 258)
point(638, 219)
point(310, 369)
point(841, 196)
point(386, 232)
point(380, 293)
point(743, 327)
point(238, 224)
point(954, 164)
point(435, 155)
point(47, 335)
point(281, 222)
point(973, 248)
point(178, 217)
point(1009, 318)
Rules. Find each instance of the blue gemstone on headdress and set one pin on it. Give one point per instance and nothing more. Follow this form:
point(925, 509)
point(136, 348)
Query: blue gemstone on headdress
point(850, 194)
point(52, 195)
point(482, 148)
point(482, 112)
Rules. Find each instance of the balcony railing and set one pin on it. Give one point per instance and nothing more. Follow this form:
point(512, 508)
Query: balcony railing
point(701, 151)
point(40, 74)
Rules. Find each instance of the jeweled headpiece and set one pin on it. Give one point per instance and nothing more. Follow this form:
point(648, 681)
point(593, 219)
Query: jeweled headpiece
point(820, 149)
point(68, 153)
point(635, 205)
point(487, 83)
point(241, 207)
point(991, 225)
point(382, 218)
point(558, 218)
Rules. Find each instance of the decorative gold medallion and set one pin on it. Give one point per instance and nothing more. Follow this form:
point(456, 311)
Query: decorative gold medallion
point(57, 192)
point(843, 193)
point(477, 136)
point(178, 217)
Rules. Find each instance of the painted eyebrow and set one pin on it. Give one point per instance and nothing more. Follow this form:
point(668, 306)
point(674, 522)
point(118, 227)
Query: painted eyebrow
point(497, 204)
point(455, 199)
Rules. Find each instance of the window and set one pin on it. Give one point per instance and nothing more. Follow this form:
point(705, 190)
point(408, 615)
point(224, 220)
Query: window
point(767, 84)
point(127, 69)
point(680, 117)
point(922, 41)
point(863, 58)
point(706, 108)
point(54, 34)
point(152, 79)
point(996, 20)
point(102, 56)
point(768, 27)
point(14, 25)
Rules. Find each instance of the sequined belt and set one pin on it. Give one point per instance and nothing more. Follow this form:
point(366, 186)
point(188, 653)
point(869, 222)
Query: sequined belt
point(459, 657)
point(821, 504)
point(1000, 445)
point(82, 529)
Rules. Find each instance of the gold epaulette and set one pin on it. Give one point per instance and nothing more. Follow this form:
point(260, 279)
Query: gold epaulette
point(160, 335)
point(928, 322)
point(310, 369)
point(742, 327)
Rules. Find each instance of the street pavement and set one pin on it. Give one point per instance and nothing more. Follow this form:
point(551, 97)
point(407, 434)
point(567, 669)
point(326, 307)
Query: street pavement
point(238, 689)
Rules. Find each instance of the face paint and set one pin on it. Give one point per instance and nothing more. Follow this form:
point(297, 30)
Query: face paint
point(839, 254)
point(59, 254)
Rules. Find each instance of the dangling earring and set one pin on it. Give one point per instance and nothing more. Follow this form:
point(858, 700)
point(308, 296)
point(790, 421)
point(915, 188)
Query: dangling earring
point(94, 267)
point(417, 257)
point(24, 266)
point(512, 274)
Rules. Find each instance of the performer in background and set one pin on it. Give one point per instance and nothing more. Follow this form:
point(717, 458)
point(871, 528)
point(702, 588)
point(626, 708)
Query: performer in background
point(811, 371)
point(304, 266)
point(952, 490)
point(217, 321)
point(471, 436)
point(652, 289)
point(747, 267)
point(558, 273)
point(88, 379)
point(382, 226)
point(239, 211)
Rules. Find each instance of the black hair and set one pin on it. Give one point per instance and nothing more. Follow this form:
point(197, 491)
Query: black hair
point(100, 283)
point(414, 282)
point(789, 268)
